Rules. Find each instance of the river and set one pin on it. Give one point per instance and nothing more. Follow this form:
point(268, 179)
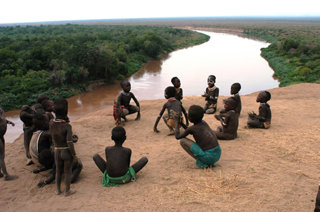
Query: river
point(229, 57)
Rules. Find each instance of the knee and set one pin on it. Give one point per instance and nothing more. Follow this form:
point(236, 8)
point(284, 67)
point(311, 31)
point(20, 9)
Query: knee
point(95, 156)
point(144, 160)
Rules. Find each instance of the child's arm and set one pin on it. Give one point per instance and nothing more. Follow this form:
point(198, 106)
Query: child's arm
point(138, 105)
point(177, 131)
point(70, 142)
point(185, 115)
point(158, 119)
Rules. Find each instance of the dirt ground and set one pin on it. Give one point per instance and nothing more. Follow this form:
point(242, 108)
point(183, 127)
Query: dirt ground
point(262, 170)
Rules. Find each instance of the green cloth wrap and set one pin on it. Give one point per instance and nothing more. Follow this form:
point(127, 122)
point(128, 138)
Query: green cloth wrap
point(114, 181)
point(205, 158)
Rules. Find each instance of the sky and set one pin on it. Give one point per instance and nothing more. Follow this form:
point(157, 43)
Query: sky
point(24, 11)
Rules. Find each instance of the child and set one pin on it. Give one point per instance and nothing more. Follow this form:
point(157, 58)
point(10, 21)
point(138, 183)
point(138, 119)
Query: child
point(3, 130)
point(263, 120)
point(174, 108)
point(176, 83)
point(117, 169)
point(122, 107)
point(64, 153)
point(206, 150)
point(229, 121)
point(235, 88)
point(211, 94)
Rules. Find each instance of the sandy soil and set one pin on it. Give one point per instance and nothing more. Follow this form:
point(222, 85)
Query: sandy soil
point(262, 170)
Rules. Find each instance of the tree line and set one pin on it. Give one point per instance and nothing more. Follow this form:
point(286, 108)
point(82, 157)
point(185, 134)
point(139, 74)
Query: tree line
point(61, 60)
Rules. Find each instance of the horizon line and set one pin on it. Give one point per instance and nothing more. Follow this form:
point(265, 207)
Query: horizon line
point(163, 18)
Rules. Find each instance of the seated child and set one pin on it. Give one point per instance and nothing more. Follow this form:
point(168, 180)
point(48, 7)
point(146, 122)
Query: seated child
point(64, 153)
point(3, 130)
point(174, 108)
point(235, 88)
point(229, 121)
point(122, 107)
point(117, 169)
point(263, 120)
point(40, 141)
point(211, 94)
point(176, 83)
point(206, 149)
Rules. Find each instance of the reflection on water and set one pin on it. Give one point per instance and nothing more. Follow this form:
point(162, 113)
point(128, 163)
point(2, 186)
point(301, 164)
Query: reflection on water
point(230, 58)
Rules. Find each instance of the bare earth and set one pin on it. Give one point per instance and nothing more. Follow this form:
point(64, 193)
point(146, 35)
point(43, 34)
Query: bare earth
point(262, 170)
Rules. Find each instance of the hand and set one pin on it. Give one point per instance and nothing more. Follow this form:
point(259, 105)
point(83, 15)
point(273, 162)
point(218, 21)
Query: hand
point(74, 138)
point(41, 184)
point(217, 117)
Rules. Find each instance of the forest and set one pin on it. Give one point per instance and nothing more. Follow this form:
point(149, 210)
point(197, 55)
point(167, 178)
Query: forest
point(62, 60)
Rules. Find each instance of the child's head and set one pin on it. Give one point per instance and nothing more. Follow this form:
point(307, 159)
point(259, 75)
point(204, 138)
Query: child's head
point(235, 88)
point(125, 85)
point(211, 80)
point(42, 97)
point(118, 135)
point(175, 82)
point(41, 121)
point(195, 113)
point(61, 107)
point(47, 105)
point(170, 92)
point(230, 104)
point(263, 96)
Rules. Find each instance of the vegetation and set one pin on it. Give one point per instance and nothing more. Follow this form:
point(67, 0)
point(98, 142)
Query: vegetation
point(294, 53)
point(61, 60)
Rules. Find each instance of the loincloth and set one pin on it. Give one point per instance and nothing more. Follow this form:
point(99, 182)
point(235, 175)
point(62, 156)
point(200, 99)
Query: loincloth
point(171, 118)
point(113, 181)
point(33, 147)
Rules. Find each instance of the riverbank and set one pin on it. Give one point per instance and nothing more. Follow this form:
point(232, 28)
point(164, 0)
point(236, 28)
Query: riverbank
point(270, 170)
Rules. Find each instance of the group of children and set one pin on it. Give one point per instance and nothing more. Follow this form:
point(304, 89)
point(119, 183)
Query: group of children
point(49, 141)
point(205, 149)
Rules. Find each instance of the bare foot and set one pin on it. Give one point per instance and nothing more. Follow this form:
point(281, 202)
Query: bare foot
point(70, 192)
point(58, 192)
point(1, 175)
point(10, 177)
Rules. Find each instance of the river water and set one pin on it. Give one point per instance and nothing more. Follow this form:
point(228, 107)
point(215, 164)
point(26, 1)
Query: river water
point(229, 57)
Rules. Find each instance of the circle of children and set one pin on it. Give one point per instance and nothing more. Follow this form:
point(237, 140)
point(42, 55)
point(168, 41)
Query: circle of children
point(49, 141)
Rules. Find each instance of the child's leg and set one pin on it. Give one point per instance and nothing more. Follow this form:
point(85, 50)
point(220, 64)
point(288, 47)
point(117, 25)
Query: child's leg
point(27, 134)
point(58, 162)
point(76, 171)
point(67, 162)
point(133, 109)
point(140, 164)
point(168, 123)
point(254, 123)
point(186, 145)
point(2, 163)
point(101, 164)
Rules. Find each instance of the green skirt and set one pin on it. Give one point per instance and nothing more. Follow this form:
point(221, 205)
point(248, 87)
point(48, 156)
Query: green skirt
point(114, 181)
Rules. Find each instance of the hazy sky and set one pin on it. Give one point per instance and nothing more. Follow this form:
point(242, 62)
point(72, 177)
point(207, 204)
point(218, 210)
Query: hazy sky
point(16, 11)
